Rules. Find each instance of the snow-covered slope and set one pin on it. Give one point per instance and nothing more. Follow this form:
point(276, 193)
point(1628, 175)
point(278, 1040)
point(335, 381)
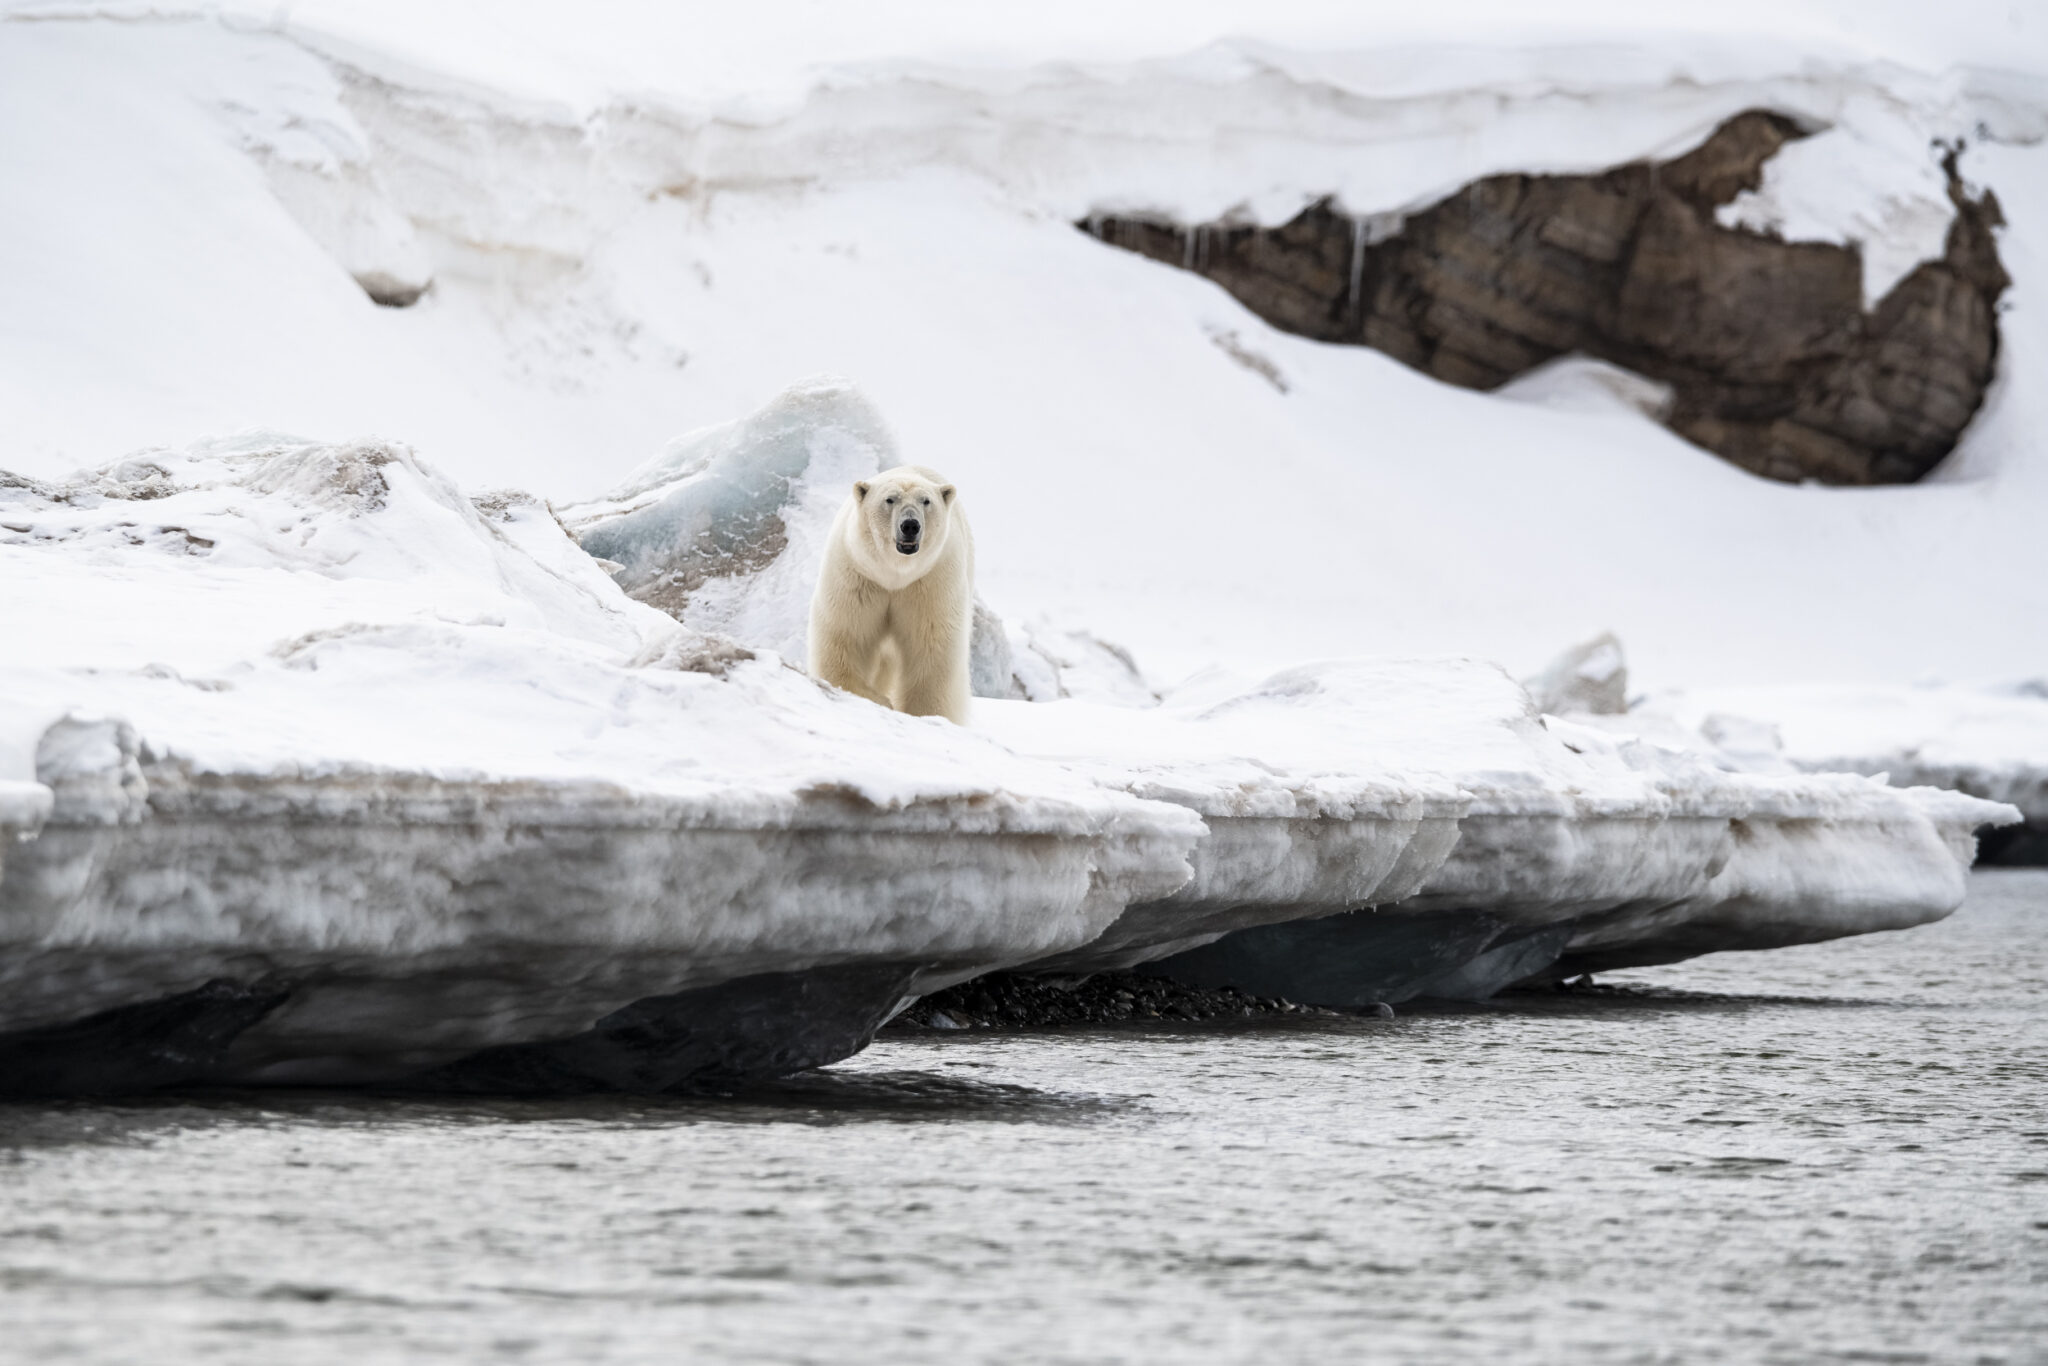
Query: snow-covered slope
point(623, 245)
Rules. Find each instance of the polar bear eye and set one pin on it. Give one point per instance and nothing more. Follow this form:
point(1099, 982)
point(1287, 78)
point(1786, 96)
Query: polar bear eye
point(890, 499)
point(927, 502)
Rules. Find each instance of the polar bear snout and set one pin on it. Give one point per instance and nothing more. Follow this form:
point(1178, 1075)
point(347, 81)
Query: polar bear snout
point(909, 533)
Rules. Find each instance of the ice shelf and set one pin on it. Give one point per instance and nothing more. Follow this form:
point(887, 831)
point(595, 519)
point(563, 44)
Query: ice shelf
point(1511, 843)
point(315, 770)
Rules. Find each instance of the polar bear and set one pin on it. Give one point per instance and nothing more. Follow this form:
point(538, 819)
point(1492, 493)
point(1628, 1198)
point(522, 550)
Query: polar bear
point(893, 615)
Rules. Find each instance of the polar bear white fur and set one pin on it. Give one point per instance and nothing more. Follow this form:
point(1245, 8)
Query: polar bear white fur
point(893, 614)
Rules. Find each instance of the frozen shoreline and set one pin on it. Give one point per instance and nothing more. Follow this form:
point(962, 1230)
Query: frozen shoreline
point(357, 780)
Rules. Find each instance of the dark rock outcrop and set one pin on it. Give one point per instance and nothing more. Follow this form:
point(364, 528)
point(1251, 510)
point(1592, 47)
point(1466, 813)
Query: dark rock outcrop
point(1022, 1000)
point(1771, 358)
point(1363, 957)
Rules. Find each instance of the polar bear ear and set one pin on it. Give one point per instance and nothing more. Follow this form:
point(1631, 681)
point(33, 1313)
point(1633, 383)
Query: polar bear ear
point(946, 492)
point(860, 490)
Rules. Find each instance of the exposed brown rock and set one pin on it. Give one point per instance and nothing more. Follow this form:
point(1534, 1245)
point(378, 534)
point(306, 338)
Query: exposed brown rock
point(1772, 360)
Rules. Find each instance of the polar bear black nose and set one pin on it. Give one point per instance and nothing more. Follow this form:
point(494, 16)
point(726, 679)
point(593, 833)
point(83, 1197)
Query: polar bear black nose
point(910, 528)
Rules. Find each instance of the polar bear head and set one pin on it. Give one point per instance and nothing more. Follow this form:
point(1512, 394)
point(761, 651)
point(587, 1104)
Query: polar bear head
point(902, 524)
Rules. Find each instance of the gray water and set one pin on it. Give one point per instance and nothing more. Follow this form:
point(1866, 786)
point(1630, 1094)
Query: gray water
point(1833, 1153)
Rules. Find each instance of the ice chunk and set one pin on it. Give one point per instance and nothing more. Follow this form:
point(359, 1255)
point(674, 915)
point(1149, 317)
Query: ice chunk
point(23, 808)
point(1590, 677)
point(1754, 746)
point(1051, 663)
point(90, 767)
point(990, 669)
point(725, 530)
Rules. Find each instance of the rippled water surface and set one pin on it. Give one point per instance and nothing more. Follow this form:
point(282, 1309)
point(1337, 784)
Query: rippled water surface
point(1834, 1153)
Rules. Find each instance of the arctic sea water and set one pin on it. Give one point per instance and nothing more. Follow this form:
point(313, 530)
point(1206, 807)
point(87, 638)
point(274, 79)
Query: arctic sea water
point(1831, 1153)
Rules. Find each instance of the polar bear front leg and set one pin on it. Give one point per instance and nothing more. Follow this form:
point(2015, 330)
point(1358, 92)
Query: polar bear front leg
point(935, 637)
point(934, 693)
point(842, 664)
point(844, 660)
point(846, 639)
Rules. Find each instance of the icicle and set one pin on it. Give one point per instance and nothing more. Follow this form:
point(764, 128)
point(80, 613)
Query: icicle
point(1187, 248)
point(1357, 266)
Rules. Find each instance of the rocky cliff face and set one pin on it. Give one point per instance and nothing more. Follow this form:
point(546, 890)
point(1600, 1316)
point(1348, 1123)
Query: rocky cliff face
point(1772, 360)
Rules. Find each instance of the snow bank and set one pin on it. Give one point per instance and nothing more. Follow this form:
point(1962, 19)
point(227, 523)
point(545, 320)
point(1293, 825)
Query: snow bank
point(1855, 182)
point(412, 776)
point(409, 778)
